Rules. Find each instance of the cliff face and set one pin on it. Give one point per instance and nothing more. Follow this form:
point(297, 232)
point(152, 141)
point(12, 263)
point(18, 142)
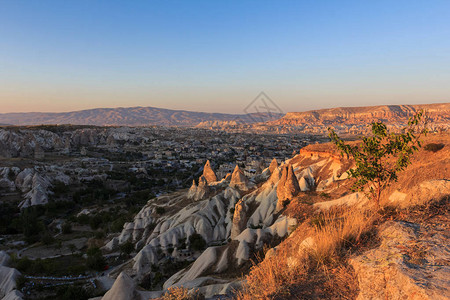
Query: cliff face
point(363, 115)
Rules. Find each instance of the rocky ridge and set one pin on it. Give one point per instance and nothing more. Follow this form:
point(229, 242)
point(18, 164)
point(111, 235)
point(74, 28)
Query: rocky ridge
point(235, 218)
point(438, 113)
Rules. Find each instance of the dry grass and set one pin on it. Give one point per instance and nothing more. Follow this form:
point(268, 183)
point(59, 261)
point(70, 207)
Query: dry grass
point(340, 228)
point(297, 267)
point(181, 293)
point(273, 277)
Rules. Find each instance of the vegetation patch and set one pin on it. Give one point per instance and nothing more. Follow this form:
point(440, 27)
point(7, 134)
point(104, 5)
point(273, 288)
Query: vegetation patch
point(433, 147)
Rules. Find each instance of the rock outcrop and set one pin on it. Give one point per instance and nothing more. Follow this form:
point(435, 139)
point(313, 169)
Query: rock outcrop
point(364, 115)
point(35, 186)
point(208, 173)
point(123, 288)
point(273, 165)
point(410, 263)
point(239, 180)
point(14, 295)
point(4, 258)
point(8, 277)
point(240, 218)
point(288, 186)
point(7, 176)
point(199, 192)
point(192, 190)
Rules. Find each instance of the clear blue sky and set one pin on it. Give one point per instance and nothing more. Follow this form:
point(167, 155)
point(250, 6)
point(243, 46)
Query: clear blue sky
point(218, 55)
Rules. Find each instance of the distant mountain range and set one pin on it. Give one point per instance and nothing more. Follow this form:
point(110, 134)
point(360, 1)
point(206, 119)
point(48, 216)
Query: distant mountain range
point(131, 116)
point(147, 116)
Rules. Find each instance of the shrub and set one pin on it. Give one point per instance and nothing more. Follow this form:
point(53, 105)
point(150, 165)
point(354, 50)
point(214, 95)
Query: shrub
point(72, 292)
point(47, 238)
point(99, 234)
point(197, 242)
point(95, 259)
point(126, 248)
point(381, 156)
point(433, 147)
point(181, 293)
point(66, 228)
point(95, 222)
point(20, 282)
point(96, 262)
point(160, 210)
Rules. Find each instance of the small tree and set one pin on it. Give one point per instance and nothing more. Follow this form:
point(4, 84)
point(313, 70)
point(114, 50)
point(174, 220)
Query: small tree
point(126, 248)
point(72, 248)
point(379, 157)
point(66, 228)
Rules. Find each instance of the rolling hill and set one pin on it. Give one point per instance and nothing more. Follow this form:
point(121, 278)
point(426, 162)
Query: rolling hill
point(131, 116)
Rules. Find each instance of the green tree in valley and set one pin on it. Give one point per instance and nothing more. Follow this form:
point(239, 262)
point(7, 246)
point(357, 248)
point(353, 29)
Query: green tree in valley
point(126, 248)
point(379, 157)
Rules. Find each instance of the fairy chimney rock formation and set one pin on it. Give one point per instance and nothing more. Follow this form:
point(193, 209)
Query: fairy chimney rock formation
point(273, 165)
point(208, 173)
point(202, 189)
point(275, 176)
point(287, 187)
point(239, 219)
point(193, 190)
point(238, 179)
point(199, 192)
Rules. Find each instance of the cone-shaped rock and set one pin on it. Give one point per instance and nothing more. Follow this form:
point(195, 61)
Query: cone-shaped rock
point(304, 185)
point(287, 187)
point(273, 165)
point(240, 219)
point(238, 179)
point(123, 288)
point(192, 191)
point(208, 173)
point(275, 176)
point(202, 189)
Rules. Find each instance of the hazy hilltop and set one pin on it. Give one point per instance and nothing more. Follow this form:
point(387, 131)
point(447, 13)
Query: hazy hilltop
point(131, 116)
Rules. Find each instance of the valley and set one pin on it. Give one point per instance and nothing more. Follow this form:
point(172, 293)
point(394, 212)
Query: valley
point(95, 212)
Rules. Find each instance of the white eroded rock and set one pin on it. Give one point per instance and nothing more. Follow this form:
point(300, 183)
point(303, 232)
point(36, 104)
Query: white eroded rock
point(123, 288)
point(8, 277)
point(408, 264)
